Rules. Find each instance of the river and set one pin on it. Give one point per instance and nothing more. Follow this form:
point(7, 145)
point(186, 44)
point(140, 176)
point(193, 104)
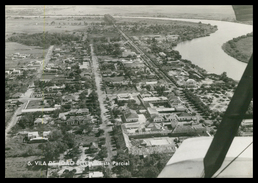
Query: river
point(206, 52)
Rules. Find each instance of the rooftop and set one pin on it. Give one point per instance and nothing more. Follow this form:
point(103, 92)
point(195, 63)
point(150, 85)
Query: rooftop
point(150, 99)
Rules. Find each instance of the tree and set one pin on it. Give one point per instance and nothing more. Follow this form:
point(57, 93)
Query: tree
point(201, 121)
point(54, 175)
point(152, 172)
point(223, 76)
point(27, 120)
point(69, 140)
point(100, 132)
point(107, 173)
point(68, 174)
point(102, 153)
point(50, 152)
point(55, 135)
point(148, 87)
point(125, 174)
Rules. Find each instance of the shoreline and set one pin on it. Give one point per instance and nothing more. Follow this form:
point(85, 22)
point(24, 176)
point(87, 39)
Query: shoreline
point(229, 54)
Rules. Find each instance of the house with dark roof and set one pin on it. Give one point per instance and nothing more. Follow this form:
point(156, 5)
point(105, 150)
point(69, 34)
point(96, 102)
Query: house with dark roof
point(183, 131)
point(130, 116)
point(189, 130)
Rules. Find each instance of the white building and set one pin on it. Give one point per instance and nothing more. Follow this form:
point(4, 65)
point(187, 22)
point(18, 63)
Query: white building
point(124, 97)
point(162, 54)
point(96, 174)
point(155, 99)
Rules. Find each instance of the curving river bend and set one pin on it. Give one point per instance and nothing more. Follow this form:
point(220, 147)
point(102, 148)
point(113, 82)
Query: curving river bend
point(206, 52)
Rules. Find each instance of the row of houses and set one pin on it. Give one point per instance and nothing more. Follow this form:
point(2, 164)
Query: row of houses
point(76, 120)
point(20, 56)
point(13, 72)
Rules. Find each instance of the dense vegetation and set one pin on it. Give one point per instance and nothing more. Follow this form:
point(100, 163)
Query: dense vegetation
point(186, 32)
point(43, 39)
point(148, 167)
point(240, 48)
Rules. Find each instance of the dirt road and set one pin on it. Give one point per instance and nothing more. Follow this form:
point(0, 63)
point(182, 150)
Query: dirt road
point(45, 61)
point(13, 120)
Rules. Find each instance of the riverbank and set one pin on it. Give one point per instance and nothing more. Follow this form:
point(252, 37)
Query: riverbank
point(206, 52)
point(240, 48)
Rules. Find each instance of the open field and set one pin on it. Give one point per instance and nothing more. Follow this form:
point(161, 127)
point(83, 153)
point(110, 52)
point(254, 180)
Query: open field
point(20, 149)
point(159, 141)
point(36, 25)
point(120, 90)
point(16, 167)
point(8, 116)
point(218, 12)
point(35, 104)
point(48, 76)
point(13, 47)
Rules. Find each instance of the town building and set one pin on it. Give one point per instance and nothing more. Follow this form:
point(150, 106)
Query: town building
point(40, 121)
point(127, 53)
point(130, 116)
point(125, 97)
point(162, 54)
point(96, 174)
point(155, 99)
point(185, 117)
point(191, 83)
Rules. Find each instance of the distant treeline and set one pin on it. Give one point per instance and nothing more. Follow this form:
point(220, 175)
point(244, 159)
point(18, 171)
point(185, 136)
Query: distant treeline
point(240, 47)
point(43, 39)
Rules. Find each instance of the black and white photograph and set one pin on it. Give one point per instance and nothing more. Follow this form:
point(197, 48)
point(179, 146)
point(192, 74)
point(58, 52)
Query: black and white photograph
point(128, 91)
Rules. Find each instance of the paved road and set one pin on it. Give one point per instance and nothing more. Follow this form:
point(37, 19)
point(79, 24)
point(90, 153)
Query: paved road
point(101, 97)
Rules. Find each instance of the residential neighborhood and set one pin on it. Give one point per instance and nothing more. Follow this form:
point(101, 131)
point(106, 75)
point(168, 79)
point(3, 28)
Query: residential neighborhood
point(105, 103)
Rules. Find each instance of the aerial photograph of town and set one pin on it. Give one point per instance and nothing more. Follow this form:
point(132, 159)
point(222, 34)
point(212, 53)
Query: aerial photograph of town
point(136, 91)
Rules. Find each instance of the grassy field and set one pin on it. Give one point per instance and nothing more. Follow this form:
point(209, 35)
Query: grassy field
point(16, 167)
point(120, 90)
point(35, 104)
point(18, 148)
point(17, 155)
point(36, 25)
point(8, 116)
